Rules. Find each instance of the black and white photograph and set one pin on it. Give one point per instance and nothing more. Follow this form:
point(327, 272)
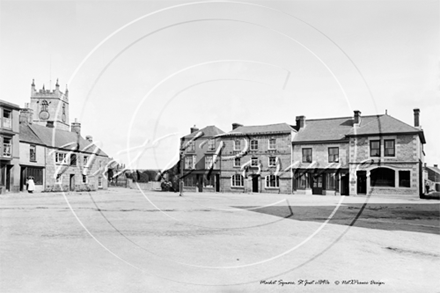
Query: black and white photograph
point(219, 146)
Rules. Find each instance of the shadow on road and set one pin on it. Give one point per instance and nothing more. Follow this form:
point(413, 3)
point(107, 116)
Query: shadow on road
point(422, 218)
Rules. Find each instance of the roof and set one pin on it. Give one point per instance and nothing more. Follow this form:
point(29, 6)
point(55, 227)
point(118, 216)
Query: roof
point(261, 129)
point(57, 138)
point(9, 105)
point(433, 169)
point(208, 131)
point(335, 129)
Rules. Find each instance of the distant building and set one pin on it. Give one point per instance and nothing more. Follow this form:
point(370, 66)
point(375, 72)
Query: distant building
point(54, 153)
point(9, 147)
point(201, 169)
point(255, 158)
point(432, 177)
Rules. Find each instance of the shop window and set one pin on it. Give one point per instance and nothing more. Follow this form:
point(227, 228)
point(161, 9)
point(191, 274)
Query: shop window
point(382, 177)
point(404, 178)
point(208, 182)
point(237, 180)
point(272, 181)
point(331, 181)
point(303, 181)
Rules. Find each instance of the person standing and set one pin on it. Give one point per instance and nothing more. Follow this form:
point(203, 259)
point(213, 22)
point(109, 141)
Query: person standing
point(31, 185)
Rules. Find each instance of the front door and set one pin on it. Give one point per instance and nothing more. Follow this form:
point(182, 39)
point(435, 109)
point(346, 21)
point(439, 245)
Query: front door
point(361, 182)
point(345, 184)
point(217, 183)
point(255, 183)
point(8, 178)
point(199, 182)
point(317, 184)
point(72, 182)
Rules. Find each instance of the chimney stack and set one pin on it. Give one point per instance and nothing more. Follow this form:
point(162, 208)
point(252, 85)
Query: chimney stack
point(49, 124)
point(416, 117)
point(435, 166)
point(75, 127)
point(300, 122)
point(357, 117)
point(193, 129)
point(236, 125)
point(26, 114)
point(89, 138)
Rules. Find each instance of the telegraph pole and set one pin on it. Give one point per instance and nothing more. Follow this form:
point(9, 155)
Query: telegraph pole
point(181, 173)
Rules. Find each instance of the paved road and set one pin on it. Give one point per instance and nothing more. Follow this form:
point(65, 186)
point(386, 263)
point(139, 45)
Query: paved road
point(130, 241)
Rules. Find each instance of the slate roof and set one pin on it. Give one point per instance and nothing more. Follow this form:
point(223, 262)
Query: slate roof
point(52, 137)
point(261, 129)
point(208, 131)
point(9, 105)
point(334, 129)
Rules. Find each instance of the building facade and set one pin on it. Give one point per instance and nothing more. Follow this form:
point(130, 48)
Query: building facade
point(9, 147)
point(200, 163)
point(255, 159)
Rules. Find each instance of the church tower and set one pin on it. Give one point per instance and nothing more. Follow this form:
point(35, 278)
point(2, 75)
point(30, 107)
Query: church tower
point(50, 107)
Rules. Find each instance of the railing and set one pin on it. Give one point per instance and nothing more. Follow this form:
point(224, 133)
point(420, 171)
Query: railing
point(7, 122)
point(6, 150)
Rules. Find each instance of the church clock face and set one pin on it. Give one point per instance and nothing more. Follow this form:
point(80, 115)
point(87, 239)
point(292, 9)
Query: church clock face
point(44, 115)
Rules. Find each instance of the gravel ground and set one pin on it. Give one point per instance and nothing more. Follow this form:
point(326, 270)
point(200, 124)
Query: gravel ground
point(125, 240)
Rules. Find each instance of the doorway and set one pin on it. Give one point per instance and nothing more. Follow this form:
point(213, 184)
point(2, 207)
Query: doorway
point(345, 184)
point(361, 182)
point(217, 182)
point(317, 184)
point(255, 182)
point(199, 179)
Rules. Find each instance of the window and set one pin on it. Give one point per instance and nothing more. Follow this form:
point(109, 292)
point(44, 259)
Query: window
point(190, 181)
point(272, 181)
point(237, 180)
point(254, 145)
point(44, 105)
point(85, 160)
point(382, 177)
point(37, 173)
point(272, 143)
point(404, 179)
point(254, 162)
point(237, 145)
point(72, 159)
point(331, 181)
point(60, 158)
point(272, 161)
point(100, 181)
point(84, 179)
point(7, 118)
point(375, 148)
point(307, 155)
point(191, 146)
point(303, 181)
point(32, 153)
point(211, 144)
point(237, 162)
point(208, 162)
point(190, 162)
point(7, 147)
point(389, 148)
point(333, 155)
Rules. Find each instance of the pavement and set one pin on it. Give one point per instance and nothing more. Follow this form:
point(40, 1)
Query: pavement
point(123, 240)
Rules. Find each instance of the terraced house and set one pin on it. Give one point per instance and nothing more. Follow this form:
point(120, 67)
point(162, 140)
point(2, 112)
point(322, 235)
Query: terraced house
point(358, 155)
point(199, 158)
point(255, 158)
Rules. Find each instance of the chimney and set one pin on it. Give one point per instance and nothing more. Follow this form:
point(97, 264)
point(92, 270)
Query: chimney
point(236, 125)
point(416, 117)
point(49, 124)
point(300, 122)
point(75, 127)
point(357, 117)
point(435, 166)
point(26, 115)
point(89, 138)
point(193, 129)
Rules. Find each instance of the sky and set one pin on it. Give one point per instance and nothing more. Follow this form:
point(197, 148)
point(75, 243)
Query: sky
point(141, 73)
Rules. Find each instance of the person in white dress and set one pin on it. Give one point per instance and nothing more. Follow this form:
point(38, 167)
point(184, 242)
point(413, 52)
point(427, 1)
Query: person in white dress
point(31, 184)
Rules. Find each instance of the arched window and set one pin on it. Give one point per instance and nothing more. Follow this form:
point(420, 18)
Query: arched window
point(272, 181)
point(237, 180)
point(383, 177)
point(44, 105)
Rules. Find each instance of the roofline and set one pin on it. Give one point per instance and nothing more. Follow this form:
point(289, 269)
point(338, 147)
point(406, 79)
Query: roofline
point(419, 132)
point(9, 104)
point(250, 133)
point(320, 141)
point(31, 142)
point(345, 117)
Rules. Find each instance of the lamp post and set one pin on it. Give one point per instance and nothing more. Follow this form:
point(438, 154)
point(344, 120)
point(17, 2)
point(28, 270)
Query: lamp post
point(181, 173)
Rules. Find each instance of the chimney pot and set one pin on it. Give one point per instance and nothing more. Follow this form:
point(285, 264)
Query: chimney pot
point(89, 138)
point(357, 117)
point(435, 165)
point(300, 122)
point(26, 114)
point(236, 125)
point(416, 117)
point(75, 127)
point(193, 129)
